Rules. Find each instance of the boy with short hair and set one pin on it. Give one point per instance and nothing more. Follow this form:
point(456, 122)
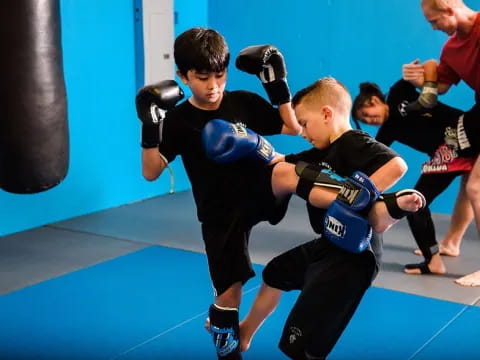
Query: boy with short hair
point(332, 280)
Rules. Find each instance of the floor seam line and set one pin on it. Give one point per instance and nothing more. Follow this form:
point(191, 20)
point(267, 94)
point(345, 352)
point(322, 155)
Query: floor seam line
point(133, 348)
point(434, 336)
point(98, 235)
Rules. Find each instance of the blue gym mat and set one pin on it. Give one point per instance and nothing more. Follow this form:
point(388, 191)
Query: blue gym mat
point(152, 304)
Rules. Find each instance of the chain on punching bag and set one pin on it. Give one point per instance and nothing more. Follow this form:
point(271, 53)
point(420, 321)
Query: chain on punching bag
point(34, 144)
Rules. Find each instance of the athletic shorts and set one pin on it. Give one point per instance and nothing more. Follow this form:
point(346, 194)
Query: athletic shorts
point(332, 283)
point(226, 239)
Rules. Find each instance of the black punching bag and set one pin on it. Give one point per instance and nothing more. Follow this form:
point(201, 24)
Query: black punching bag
point(34, 145)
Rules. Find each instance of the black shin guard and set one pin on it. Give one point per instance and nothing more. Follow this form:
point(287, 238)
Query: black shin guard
point(303, 189)
point(423, 230)
point(224, 325)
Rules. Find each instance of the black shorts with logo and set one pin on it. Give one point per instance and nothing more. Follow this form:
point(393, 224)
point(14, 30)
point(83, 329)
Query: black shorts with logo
point(332, 283)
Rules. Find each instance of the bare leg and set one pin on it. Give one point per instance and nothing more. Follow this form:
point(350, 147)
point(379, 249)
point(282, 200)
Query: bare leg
point(473, 193)
point(265, 303)
point(231, 297)
point(462, 217)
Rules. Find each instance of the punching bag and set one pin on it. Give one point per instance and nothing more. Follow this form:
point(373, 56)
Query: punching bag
point(34, 143)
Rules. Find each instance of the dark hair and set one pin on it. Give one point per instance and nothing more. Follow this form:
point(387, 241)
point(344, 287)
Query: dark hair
point(367, 90)
point(201, 49)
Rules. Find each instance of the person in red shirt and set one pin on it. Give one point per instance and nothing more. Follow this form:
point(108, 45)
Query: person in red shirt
point(459, 60)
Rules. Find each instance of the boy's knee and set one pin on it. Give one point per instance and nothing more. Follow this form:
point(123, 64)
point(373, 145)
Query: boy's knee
point(473, 188)
point(284, 178)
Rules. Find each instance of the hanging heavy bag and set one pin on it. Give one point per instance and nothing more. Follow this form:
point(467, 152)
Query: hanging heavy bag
point(34, 144)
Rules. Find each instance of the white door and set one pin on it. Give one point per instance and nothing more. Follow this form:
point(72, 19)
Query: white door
point(158, 18)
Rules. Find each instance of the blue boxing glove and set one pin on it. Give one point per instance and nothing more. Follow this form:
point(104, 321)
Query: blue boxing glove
point(359, 193)
point(226, 142)
point(346, 228)
point(345, 223)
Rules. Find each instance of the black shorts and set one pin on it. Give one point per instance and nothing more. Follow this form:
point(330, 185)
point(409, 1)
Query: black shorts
point(332, 283)
point(226, 239)
point(261, 204)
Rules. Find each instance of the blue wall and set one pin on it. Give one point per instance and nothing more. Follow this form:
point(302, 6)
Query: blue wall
point(353, 41)
point(105, 168)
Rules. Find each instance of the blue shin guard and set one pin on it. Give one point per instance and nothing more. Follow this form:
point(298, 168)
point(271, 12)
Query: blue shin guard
point(224, 326)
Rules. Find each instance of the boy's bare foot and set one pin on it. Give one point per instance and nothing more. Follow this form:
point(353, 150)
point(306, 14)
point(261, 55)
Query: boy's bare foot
point(472, 279)
point(435, 266)
point(207, 324)
point(412, 202)
point(380, 218)
point(245, 337)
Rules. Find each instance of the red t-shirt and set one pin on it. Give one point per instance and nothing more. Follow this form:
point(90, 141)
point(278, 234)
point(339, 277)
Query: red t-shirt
point(460, 59)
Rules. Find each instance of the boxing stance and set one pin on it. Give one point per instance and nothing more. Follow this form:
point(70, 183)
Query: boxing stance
point(230, 197)
point(341, 178)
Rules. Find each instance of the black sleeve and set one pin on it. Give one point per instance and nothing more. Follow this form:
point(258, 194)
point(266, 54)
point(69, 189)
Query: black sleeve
point(263, 118)
point(386, 134)
point(402, 90)
point(370, 154)
point(310, 155)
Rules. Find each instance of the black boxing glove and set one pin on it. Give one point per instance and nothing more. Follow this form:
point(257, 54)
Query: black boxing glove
point(267, 62)
point(152, 101)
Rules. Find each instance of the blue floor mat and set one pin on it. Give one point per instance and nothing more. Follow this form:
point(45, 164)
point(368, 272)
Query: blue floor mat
point(151, 304)
point(459, 340)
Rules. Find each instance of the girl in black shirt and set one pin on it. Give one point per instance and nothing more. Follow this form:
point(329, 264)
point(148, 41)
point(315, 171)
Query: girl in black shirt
point(433, 132)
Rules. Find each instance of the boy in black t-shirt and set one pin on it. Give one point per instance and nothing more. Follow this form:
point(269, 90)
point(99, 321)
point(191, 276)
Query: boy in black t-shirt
point(229, 197)
point(332, 280)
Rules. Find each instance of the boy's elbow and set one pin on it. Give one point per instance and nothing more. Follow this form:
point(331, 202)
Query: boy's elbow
point(398, 167)
point(402, 167)
point(149, 175)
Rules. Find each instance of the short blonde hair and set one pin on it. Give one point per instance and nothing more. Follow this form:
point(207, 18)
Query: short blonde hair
point(325, 91)
point(441, 5)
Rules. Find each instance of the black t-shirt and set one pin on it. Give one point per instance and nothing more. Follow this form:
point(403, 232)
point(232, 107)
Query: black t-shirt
point(218, 189)
point(421, 130)
point(354, 151)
